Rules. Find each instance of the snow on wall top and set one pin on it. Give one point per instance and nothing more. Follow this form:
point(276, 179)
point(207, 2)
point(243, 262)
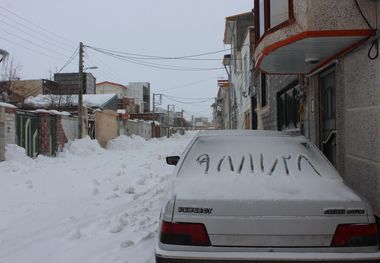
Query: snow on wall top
point(7, 105)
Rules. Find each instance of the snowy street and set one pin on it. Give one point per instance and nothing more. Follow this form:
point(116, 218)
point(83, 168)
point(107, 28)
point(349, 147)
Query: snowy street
point(88, 204)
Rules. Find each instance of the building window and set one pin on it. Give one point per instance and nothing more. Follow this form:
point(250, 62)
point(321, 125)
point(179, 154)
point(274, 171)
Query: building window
point(279, 12)
point(264, 90)
point(288, 107)
point(246, 70)
point(270, 15)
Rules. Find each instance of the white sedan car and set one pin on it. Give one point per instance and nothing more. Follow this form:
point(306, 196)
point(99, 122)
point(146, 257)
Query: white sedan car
point(251, 196)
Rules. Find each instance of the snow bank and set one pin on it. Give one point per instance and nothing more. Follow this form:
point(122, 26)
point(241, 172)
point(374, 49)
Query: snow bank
point(83, 147)
point(14, 152)
point(123, 143)
point(88, 204)
point(7, 105)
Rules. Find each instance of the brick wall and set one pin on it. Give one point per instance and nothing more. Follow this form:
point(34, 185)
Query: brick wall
point(7, 129)
point(60, 134)
point(44, 133)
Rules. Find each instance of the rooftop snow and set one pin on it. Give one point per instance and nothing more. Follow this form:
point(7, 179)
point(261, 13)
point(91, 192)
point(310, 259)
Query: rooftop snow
point(89, 100)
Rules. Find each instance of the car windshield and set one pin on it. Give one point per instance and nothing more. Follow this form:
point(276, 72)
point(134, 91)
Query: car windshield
point(261, 155)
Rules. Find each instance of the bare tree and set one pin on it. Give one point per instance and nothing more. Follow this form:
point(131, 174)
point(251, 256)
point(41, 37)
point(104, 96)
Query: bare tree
point(10, 72)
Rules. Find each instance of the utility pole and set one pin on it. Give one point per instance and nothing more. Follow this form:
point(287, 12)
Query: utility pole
point(80, 94)
point(182, 118)
point(167, 120)
point(155, 102)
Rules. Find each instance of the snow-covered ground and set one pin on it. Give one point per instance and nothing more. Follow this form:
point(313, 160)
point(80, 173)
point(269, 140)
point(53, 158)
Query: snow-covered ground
point(88, 204)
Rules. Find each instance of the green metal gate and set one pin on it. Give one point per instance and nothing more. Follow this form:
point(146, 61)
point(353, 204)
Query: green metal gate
point(27, 132)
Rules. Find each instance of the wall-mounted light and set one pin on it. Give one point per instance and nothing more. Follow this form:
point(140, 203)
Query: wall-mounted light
point(312, 60)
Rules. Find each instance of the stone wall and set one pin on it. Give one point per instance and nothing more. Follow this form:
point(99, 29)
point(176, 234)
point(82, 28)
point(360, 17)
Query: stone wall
point(357, 91)
point(7, 129)
point(360, 151)
point(268, 113)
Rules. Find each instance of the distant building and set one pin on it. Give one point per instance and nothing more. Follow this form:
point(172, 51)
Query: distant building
point(108, 87)
point(19, 90)
point(140, 91)
point(221, 106)
point(69, 83)
point(201, 123)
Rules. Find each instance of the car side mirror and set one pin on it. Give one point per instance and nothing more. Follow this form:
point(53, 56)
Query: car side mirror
point(172, 160)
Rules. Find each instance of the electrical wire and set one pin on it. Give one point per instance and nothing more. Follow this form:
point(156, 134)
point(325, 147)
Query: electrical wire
point(105, 67)
point(33, 43)
point(158, 66)
point(375, 42)
point(187, 102)
point(186, 98)
point(45, 39)
point(189, 84)
point(30, 49)
point(41, 28)
point(69, 60)
point(144, 56)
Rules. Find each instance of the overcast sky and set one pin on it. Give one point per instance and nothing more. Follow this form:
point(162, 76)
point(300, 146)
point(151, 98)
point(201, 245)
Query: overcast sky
point(52, 29)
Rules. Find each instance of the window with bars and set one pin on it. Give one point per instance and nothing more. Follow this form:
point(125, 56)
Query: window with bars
point(288, 107)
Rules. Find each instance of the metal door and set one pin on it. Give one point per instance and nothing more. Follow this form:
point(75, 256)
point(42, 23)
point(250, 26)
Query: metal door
point(27, 132)
point(328, 115)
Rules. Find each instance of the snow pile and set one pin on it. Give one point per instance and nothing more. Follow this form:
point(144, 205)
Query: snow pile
point(14, 152)
point(7, 105)
point(83, 147)
point(88, 204)
point(123, 143)
point(89, 100)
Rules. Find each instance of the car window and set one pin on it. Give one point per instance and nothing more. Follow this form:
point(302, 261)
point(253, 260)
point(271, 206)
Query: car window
point(247, 155)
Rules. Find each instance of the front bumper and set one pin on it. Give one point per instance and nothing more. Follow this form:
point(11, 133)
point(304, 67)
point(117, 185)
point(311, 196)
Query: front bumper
point(262, 257)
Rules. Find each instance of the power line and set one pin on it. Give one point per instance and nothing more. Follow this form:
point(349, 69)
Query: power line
point(187, 98)
point(30, 49)
point(69, 60)
point(110, 71)
point(144, 56)
point(188, 102)
point(31, 42)
point(189, 84)
point(29, 34)
point(41, 28)
point(156, 65)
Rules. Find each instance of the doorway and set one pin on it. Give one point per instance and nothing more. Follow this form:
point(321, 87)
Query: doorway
point(328, 114)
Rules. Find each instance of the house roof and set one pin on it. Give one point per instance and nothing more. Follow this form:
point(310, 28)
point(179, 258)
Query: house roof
point(230, 20)
point(111, 83)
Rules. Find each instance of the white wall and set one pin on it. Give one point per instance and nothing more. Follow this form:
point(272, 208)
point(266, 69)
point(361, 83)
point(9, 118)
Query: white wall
point(70, 127)
point(245, 78)
point(107, 88)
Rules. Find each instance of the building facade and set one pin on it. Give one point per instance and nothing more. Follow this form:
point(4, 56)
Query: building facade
point(235, 35)
point(320, 76)
point(19, 90)
point(69, 83)
point(107, 87)
point(140, 91)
